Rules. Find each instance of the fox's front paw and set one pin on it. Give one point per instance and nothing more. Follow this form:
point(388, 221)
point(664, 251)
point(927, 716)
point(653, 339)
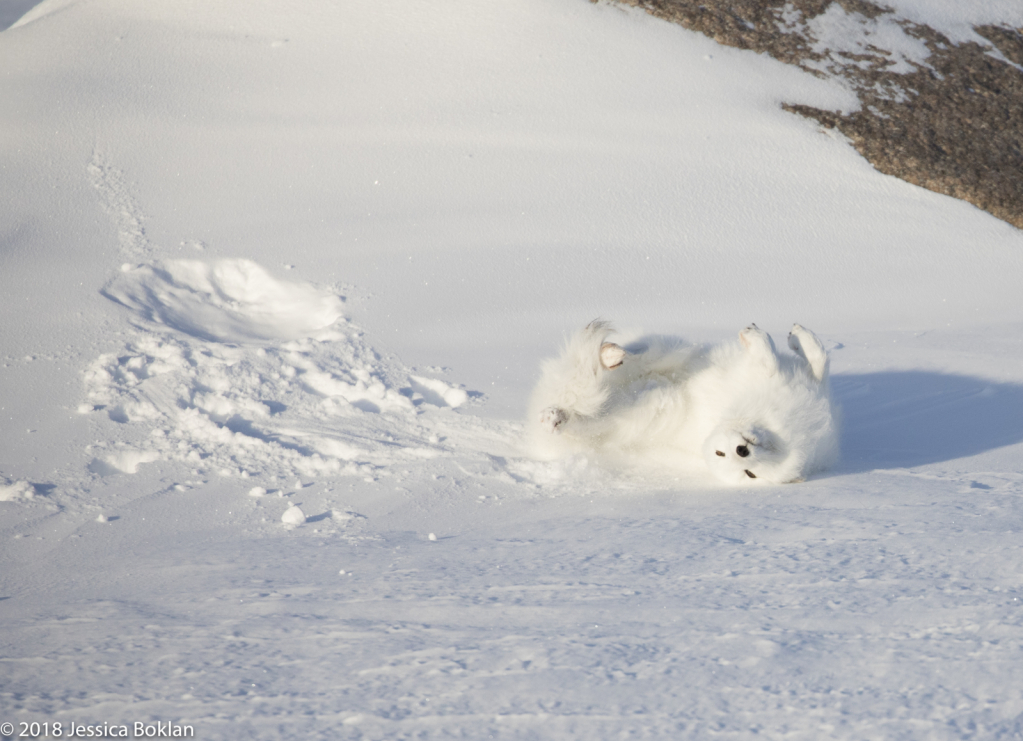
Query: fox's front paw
point(552, 419)
point(611, 355)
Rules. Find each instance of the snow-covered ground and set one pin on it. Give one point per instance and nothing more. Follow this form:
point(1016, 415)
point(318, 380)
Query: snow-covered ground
point(275, 283)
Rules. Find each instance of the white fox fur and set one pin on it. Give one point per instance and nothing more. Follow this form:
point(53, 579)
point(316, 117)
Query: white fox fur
point(739, 409)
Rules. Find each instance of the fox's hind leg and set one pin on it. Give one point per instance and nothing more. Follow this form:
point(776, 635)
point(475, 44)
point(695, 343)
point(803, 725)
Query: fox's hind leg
point(760, 347)
point(611, 355)
point(552, 418)
point(574, 385)
point(806, 345)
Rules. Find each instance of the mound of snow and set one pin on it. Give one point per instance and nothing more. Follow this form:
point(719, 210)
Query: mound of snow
point(259, 379)
point(226, 301)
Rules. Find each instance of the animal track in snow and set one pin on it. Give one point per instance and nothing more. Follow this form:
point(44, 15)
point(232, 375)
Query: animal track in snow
point(120, 205)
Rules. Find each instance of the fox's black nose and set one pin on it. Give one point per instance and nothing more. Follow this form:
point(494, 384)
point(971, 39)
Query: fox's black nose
point(742, 450)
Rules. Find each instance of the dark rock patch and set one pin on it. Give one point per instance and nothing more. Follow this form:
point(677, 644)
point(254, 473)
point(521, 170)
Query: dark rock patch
point(952, 123)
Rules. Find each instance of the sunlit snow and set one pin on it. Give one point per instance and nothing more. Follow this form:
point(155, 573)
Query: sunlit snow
point(277, 281)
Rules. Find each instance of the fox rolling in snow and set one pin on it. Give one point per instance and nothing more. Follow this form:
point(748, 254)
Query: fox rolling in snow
point(742, 410)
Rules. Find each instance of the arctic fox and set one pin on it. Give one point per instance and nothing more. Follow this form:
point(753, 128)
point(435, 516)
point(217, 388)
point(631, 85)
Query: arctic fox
point(739, 409)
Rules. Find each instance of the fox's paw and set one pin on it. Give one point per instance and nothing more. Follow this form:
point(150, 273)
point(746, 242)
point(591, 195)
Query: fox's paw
point(611, 355)
point(754, 338)
point(552, 419)
point(805, 344)
point(760, 346)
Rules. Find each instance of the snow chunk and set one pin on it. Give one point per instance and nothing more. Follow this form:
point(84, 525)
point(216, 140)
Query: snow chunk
point(257, 491)
point(123, 461)
point(437, 392)
point(368, 394)
point(293, 516)
point(16, 491)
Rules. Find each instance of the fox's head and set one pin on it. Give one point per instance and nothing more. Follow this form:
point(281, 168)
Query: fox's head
point(779, 426)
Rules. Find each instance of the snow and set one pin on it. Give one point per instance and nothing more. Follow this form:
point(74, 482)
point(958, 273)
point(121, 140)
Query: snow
point(12, 10)
point(957, 19)
point(13, 491)
point(276, 285)
point(849, 34)
point(234, 301)
point(293, 515)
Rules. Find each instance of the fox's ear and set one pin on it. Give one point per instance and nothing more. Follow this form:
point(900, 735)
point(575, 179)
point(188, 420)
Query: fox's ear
point(805, 344)
point(760, 346)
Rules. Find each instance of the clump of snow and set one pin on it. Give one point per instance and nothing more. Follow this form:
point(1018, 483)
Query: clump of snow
point(364, 390)
point(102, 518)
point(293, 515)
point(122, 461)
point(16, 491)
point(257, 491)
point(438, 393)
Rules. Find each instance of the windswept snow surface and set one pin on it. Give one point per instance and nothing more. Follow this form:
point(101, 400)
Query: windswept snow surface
point(275, 284)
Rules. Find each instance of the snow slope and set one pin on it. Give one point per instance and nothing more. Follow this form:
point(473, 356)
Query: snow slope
point(259, 259)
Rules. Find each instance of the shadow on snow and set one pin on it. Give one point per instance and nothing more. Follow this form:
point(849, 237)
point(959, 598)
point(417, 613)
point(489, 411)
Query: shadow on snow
point(12, 10)
point(902, 419)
